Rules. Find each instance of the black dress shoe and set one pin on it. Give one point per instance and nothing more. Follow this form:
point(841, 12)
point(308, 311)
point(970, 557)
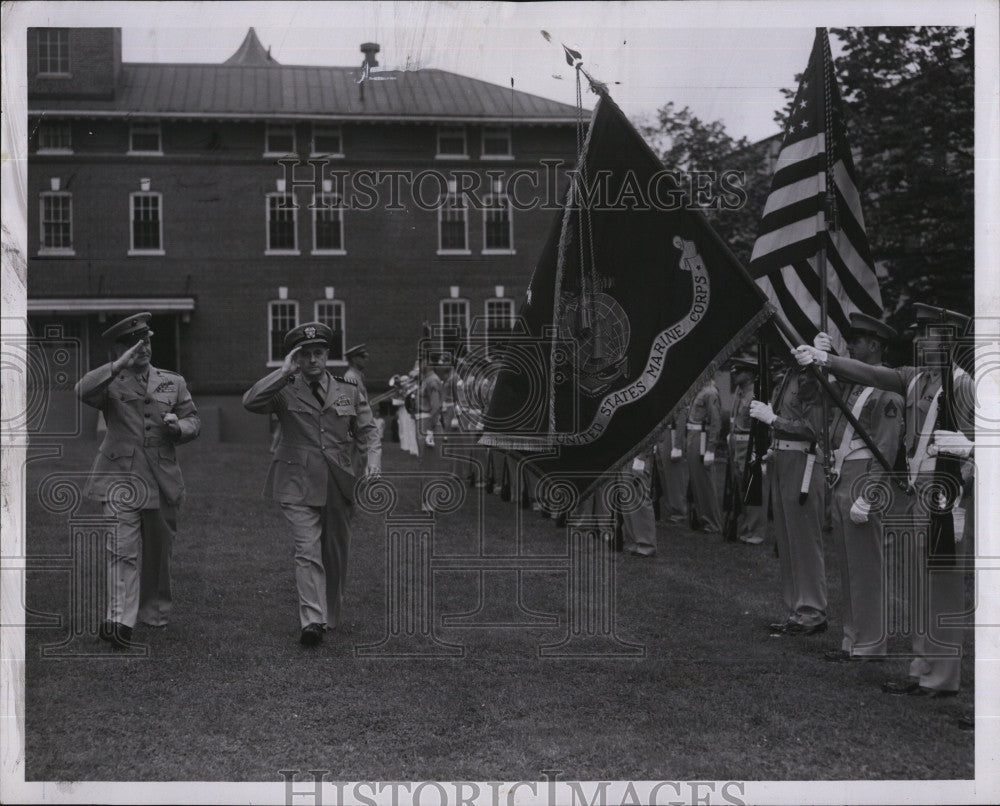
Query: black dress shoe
point(312, 634)
point(843, 656)
point(913, 689)
point(118, 635)
point(778, 627)
point(801, 629)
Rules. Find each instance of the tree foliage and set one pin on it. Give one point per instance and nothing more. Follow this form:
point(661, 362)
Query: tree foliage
point(908, 96)
point(704, 152)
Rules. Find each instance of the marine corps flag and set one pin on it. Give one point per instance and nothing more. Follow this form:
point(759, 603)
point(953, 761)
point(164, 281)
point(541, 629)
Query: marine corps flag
point(633, 305)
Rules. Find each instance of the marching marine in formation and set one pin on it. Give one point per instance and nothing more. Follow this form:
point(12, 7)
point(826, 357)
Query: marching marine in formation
point(311, 476)
point(704, 423)
point(750, 524)
point(148, 412)
point(673, 468)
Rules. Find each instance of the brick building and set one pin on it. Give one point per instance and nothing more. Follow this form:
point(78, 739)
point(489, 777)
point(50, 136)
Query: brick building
point(187, 190)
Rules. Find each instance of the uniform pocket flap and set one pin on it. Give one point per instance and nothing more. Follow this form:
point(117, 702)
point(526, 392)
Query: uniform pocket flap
point(347, 411)
point(116, 450)
point(290, 454)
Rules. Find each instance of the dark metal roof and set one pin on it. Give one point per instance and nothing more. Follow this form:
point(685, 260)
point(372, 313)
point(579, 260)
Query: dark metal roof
point(273, 90)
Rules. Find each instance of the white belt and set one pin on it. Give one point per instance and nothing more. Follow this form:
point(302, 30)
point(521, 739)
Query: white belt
point(421, 415)
point(694, 426)
point(859, 453)
point(740, 437)
point(792, 445)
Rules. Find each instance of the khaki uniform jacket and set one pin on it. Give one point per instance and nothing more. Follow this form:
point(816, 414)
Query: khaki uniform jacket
point(429, 403)
point(137, 441)
point(799, 407)
point(316, 442)
point(706, 410)
point(882, 417)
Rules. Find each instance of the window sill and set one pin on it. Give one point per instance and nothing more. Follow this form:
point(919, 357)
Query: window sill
point(497, 157)
point(499, 252)
point(54, 151)
point(145, 252)
point(131, 153)
point(54, 75)
point(325, 155)
point(282, 154)
point(446, 252)
point(56, 252)
point(451, 156)
point(328, 252)
point(273, 252)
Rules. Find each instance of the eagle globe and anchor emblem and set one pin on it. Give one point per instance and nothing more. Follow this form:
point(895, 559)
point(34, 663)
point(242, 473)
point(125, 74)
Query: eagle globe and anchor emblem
point(600, 330)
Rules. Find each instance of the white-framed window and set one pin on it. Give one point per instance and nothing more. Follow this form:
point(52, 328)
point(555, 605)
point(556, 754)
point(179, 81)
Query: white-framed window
point(327, 140)
point(328, 224)
point(498, 223)
point(282, 224)
point(279, 139)
point(146, 223)
point(55, 137)
point(282, 316)
point(331, 313)
point(56, 223)
point(454, 317)
point(453, 223)
point(496, 143)
point(53, 51)
point(451, 143)
point(144, 138)
point(499, 318)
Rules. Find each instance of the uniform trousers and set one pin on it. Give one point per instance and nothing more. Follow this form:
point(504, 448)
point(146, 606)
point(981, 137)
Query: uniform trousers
point(860, 550)
point(322, 543)
point(937, 648)
point(639, 523)
point(674, 475)
point(751, 523)
point(138, 563)
point(798, 531)
point(706, 502)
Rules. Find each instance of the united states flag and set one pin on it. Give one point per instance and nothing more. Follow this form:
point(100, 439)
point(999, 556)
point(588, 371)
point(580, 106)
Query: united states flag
point(815, 157)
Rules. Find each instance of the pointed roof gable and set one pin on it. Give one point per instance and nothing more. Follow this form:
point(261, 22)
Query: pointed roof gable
point(251, 52)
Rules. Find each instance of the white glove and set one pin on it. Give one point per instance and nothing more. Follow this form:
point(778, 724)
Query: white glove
point(948, 443)
point(763, 412)
point(823, 342)
point(429, 439)
point(373, 470)
point(454, 422)
point(860, 510)
point(709, 458)
point(675, 454)
point(806, 355)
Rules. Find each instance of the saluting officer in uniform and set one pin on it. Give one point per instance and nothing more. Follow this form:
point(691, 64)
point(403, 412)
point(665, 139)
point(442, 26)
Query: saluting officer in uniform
point(322, 418)
point(797, 492)
point(857, 529)
point(940, 593)
point(148, 411)
point(673, 467)
point(357, 359)
point(704, 422)
point(750, 526)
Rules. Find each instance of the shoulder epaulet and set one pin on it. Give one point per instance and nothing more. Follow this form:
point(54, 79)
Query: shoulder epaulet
point(169, 372)
point(342, 379)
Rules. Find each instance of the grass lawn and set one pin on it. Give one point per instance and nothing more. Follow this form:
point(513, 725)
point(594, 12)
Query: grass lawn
point(227, 693)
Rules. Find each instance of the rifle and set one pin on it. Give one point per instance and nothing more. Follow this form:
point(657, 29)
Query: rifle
point(948, 477)
point(656, 485)
point(732, 504)
point(491, 479)
point(760, 434)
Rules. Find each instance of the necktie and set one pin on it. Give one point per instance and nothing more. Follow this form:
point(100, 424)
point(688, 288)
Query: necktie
point(317, 393)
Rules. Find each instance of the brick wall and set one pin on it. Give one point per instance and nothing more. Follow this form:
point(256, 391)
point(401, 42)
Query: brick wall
point(95, 62)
